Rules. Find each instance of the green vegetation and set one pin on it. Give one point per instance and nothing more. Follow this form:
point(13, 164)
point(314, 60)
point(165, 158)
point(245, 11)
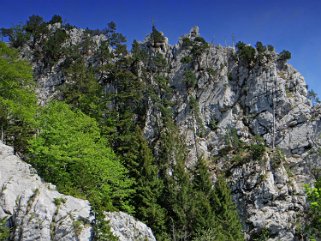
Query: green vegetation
point(313, 97)
point(90, 140)
point(213, 124)
point(186, 59)
point(260, 47)
point(270, 48)
point(17, 35)
point(190, 79)
point(241, 152)
point(4, 230)
point(186, 42)
point(257, 151)
point(156, 36)
point(17, 99)
point(53, 47)
point(250, 56)
point(284, 55)
point(59, 201)
point(69, 151)
point(314, 211)
point(246, 52)
point(55, 19)
point(197, 46)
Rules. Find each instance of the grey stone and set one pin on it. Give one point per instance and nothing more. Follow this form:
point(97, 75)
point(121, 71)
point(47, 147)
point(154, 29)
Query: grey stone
point(37, 212)
point(127, 228)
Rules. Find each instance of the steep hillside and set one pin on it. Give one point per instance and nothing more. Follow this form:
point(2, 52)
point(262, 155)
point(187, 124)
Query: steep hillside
point(35, 210)
point(244, 111)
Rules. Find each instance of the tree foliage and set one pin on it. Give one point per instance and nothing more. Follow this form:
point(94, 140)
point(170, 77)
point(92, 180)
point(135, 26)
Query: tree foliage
point(17, 98)
point(4, 230)
point(92, 145)
point(285, 55)
point(69, 152)
point(156, 36)
point(190, 79)
point(314, 211)
point(245, 52)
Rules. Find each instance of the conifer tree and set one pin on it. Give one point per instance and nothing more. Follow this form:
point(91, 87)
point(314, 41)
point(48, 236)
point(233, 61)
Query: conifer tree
point(81, 89)
point(226, 212)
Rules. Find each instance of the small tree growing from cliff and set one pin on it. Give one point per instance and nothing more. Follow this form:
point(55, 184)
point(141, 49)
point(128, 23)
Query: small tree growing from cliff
point(245, 52)
point(190, 79)
point(260, 47)
point(157, 36)
point(314, 211)
point(285, 55)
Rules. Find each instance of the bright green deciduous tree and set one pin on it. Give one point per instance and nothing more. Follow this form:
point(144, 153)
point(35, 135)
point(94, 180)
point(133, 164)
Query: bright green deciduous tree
point(69, 152)
point(17, 98)
point(314, 211)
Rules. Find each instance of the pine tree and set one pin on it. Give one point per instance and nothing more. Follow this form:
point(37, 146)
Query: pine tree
point(81, 89)
point(226, 212)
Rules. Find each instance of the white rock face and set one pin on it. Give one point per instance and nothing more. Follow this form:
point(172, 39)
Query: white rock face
point(249, 98)
point(127, 228)
point(269, 194)
point(38, 212)
point(35, 208)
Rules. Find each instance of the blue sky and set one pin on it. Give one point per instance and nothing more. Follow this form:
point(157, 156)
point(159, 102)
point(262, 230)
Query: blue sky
point(294, 25)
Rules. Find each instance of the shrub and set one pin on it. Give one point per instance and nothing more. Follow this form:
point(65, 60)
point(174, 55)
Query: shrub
point(211, 71)
point(55, 19)
point(4, 229)
point(245, 52)
point(270, 48)
point(186, 60)
point(199, 47)
point(277, 158)
point(213, 124)
point(314, 211)
point(285, 55)
point(200, 40)
point(157, 36)
point(186, 42)
point(257, 151)
point(260, 47)
point(190, 79)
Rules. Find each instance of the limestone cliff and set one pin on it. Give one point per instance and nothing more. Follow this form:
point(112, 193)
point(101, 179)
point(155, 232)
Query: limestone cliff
point(34, 210)
point(266, 98)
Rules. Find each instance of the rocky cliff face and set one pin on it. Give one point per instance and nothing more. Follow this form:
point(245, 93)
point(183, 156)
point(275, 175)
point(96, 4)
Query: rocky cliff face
point(266, 98)
point(36, 211)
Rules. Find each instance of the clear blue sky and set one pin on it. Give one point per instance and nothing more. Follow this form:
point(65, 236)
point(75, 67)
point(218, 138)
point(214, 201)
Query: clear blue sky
point(294, 25)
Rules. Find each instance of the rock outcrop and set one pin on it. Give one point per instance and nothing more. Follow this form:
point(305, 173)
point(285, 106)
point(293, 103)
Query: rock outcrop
point(266, 97)
point(127, 228)
point(35, 210)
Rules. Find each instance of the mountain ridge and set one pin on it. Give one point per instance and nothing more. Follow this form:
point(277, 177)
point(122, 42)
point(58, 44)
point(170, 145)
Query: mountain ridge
point(226, 103)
